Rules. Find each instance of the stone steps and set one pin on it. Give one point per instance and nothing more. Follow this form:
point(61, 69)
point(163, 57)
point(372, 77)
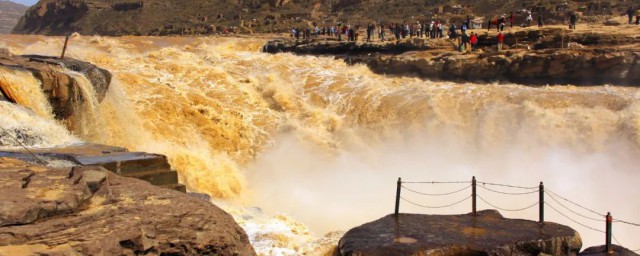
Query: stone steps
point(153, 168)
point(158, 178)
point(125, 163)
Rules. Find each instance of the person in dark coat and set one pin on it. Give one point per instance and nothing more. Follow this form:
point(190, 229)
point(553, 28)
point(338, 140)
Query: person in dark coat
point(465, 41)
point(540, 24)
point(573, 20)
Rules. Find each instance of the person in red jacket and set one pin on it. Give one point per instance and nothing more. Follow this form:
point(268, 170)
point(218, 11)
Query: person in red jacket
point(474, 41)
point(500, 41)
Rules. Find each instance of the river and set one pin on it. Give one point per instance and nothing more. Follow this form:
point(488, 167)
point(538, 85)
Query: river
point(299, 146)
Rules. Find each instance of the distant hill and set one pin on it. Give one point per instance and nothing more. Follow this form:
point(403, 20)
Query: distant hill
point(164, 17)
point(10, 12)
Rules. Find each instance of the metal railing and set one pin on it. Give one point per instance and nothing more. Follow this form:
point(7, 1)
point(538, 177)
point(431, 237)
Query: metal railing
point(487, 186)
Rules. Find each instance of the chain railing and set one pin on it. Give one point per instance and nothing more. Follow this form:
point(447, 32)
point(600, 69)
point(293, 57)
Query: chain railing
point(492, 188)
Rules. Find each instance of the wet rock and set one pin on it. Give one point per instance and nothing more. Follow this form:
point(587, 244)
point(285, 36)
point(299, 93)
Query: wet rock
point(487, 234)
point(89, 211)
point(64, 91)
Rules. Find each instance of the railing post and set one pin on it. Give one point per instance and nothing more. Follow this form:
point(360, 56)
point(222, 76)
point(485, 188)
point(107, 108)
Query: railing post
point(473, 195)
point(64, 48)
point(398, 196)
point(608, 239)
point(541, 203)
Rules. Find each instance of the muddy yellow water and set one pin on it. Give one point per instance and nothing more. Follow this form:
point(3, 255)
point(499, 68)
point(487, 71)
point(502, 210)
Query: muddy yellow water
point(320, 143)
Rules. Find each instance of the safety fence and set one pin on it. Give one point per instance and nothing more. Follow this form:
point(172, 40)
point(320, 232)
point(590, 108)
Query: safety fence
point(559, 201)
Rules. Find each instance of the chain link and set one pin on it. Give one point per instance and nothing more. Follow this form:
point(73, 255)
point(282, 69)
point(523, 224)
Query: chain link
point(509, 193)
point(508, 210)
point(443, 194)
point(435, 207)
point(594, 229)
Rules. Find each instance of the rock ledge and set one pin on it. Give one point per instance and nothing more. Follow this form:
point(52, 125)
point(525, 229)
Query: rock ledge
point(487, 234)
point(91, 211)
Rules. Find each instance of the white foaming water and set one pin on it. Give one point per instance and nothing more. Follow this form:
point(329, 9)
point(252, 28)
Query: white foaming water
point(21, 126)
point(324, 142)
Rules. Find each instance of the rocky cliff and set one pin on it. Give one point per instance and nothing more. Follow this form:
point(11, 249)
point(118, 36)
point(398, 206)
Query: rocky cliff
point(574, 66)
point(487, 234)
point(10, 13)
point(91, 211)
point(552, 55)
point(164, 17)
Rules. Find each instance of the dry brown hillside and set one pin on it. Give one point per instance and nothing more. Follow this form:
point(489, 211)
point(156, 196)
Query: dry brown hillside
point(10, 12)
point(163, 17)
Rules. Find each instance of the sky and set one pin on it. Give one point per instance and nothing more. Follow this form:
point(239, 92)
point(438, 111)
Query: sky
point(25, 2)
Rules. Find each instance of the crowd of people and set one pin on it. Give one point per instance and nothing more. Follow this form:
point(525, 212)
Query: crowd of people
point(397, 31)
point(437, 29)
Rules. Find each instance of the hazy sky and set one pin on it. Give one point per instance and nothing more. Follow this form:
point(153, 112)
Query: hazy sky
point(25, 2)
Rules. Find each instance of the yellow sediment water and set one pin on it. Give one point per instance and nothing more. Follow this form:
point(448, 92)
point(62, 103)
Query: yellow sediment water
point(22, 87)
point(323, 142)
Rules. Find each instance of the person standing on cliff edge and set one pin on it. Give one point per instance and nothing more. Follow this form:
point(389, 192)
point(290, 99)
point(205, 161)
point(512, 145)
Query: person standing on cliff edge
point(573, 19)
point(540, 24)
point(474, 41)
point(500, 41)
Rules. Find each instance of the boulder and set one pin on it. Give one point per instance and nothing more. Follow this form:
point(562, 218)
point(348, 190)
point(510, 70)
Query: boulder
point(91, 211)
point(486, 234)
point(600, 251)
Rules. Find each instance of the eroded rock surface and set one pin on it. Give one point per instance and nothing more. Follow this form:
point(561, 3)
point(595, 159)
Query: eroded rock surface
point(551, 55)
point(91, 211)
point(64, 91)
point(487, 234)
point(553, 66)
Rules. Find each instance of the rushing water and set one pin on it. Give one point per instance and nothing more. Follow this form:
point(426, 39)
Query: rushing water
point(318, 144)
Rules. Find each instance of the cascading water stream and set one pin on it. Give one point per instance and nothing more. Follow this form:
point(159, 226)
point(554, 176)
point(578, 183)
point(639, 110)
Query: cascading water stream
point(25, 89)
